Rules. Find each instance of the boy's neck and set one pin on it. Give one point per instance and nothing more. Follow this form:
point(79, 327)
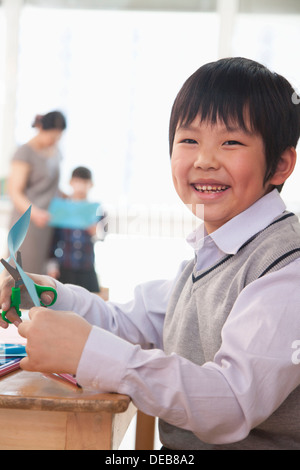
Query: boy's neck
point(78, 197)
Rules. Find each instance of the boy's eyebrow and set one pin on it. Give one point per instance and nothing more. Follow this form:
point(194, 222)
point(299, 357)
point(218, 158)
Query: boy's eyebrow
point(224, 129)
point(245, 130)
point(187, 127)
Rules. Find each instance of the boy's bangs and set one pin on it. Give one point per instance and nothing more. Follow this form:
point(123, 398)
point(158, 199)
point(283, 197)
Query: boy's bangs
point(233, 112)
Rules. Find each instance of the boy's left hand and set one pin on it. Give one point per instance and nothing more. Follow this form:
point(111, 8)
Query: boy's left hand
point(55, 340)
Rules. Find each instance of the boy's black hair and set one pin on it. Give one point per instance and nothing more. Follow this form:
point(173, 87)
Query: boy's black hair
point(82, 172)
point(224, 90)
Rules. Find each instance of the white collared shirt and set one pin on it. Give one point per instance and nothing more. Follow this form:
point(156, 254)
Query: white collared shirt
point(222, 400)
point(230, 237)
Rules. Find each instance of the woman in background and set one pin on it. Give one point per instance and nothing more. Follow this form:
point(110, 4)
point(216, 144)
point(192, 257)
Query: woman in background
point(33, 180)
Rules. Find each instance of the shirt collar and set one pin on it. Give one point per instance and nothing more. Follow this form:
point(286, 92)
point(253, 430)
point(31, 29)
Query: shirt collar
point(232, 235)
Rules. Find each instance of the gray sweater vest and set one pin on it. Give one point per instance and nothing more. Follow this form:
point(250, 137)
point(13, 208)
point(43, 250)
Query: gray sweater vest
point(198, 309)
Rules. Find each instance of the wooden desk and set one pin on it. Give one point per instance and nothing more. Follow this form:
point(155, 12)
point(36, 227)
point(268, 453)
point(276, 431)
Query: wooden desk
point(39, 412)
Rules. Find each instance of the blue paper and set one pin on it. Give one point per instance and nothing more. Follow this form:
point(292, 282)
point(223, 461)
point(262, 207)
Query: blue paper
point(15, 239)
point(66, 213)
point(12, 350)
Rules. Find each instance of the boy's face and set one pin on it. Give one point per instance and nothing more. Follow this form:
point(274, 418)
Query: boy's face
point(80, 187)
point(218, 171)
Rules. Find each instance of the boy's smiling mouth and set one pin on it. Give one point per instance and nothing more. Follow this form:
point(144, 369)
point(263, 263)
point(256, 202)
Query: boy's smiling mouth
point(210, 188)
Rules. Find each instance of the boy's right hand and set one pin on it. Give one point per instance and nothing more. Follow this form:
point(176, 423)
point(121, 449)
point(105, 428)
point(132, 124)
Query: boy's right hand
point(26, 302)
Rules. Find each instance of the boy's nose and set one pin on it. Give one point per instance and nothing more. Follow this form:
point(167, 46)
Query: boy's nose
point(206, 160)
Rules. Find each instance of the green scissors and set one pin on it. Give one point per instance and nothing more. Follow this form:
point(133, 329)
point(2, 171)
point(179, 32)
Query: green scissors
point(16, 291)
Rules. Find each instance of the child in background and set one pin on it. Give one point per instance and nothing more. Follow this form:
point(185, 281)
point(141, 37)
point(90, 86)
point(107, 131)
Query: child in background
point(212, 352)
point(72, 255)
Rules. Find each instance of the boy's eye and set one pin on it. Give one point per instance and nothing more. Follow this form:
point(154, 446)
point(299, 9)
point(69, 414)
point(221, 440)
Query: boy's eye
point(232, 142)
point(188, 141)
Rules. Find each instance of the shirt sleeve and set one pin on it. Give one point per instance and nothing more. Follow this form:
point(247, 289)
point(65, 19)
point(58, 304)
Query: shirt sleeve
point(139, 321)
point(222, 400)
point(23, 154)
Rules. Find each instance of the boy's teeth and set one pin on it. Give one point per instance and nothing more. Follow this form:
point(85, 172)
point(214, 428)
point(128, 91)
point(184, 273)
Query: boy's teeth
point(210, 188)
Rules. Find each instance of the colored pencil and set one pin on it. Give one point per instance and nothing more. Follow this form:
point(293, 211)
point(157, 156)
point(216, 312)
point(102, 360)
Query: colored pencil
point(69, 378)
point(10, 366)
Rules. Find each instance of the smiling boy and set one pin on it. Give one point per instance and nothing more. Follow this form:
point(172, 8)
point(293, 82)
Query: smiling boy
point(222, 169)
point(209, 353)
point(226, 124)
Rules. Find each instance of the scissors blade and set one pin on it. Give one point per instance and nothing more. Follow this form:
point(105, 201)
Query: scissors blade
point(13, 272)
point(19, 258)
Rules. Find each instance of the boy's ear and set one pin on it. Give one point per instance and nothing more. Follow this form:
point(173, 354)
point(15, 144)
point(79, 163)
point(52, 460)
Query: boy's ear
point(285, 167)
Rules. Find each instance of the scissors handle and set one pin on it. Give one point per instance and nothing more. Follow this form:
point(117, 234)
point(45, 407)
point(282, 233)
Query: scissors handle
point(15, 300)
point(41, 289)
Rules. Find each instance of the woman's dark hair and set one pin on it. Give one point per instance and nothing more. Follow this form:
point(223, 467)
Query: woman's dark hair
point(49, 121)
point(227, 89)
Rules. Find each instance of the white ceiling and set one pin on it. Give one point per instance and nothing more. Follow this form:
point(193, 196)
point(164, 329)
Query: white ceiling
point(245, 6)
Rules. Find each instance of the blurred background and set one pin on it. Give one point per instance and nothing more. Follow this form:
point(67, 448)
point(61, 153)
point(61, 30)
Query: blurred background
point(114, 67)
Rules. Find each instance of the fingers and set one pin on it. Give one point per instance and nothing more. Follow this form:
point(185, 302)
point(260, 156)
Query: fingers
point(12, 317)
point(5, 301)
point(26, 302)
point(23, 329)
point(24, 363)
point(3, 323)
point(5, 293)
point(47, 298)
point(55, 340)
point(27, 330)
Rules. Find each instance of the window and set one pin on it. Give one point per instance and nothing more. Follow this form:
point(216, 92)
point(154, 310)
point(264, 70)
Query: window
point(273, 40)
point(115, 74)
